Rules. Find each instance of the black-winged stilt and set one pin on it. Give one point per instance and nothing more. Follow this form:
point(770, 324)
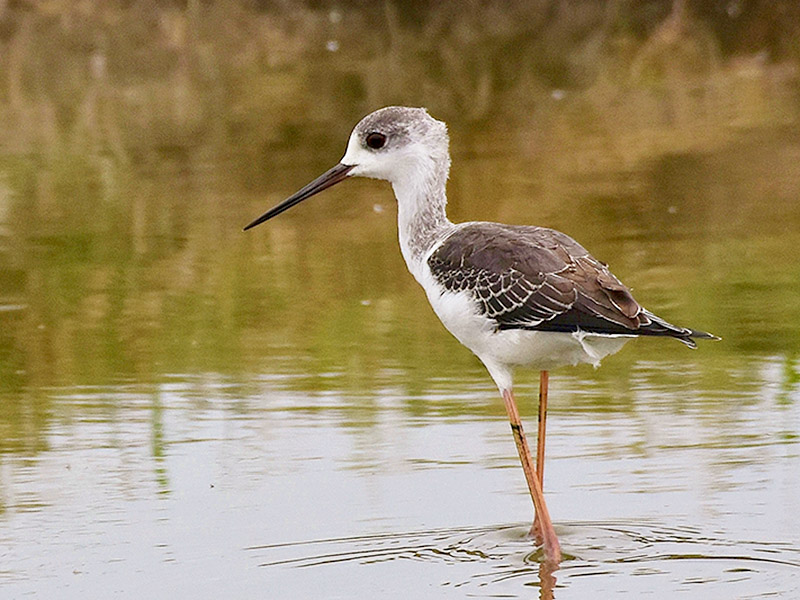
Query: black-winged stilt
point(514, 295)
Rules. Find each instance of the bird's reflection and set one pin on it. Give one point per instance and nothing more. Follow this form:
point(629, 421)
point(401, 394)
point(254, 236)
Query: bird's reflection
point(547, 580)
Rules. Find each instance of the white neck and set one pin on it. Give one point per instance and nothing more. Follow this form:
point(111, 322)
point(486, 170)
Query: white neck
point(421, 217)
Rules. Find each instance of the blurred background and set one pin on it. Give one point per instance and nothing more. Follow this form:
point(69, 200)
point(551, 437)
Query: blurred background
point(137, 138)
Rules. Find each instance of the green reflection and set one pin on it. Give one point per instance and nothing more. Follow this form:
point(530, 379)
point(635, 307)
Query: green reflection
point(158, 448)
point(138, 142)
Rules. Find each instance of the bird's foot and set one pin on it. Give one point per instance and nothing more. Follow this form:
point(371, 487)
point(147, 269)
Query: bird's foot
point(536, 531)
point(546, 538)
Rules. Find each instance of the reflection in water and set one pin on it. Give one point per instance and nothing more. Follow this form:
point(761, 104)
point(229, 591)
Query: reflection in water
point(158, 443)
point(505, 560)
point(670, 493)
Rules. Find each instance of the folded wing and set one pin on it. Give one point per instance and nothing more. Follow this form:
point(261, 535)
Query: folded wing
point(540, 279)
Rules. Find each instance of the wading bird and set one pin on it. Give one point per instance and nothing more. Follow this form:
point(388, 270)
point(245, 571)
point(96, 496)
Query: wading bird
point(514, 295)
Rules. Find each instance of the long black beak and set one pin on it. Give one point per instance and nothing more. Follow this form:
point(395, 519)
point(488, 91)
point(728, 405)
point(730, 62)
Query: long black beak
point(323, 182)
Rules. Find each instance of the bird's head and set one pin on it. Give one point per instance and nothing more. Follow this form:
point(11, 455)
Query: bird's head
point(396, 143)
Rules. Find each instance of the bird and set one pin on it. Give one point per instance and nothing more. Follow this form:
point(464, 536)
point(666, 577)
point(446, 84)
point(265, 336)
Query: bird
point(515, 295)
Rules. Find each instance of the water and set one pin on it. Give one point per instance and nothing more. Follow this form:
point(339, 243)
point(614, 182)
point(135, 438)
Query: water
point(187, 410)
point(194, 488)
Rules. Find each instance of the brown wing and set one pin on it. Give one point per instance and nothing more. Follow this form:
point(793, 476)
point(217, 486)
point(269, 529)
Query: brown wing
point(541, 279)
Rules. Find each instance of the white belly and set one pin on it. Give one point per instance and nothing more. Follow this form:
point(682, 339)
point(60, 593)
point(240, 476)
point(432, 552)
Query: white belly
point(501, 350)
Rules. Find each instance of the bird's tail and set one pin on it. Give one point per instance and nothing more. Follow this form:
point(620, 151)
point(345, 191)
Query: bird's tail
point(684, 335)
point(694, 334)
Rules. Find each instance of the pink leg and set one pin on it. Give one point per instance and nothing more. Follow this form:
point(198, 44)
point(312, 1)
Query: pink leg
point(552, 549)
point(544, 379)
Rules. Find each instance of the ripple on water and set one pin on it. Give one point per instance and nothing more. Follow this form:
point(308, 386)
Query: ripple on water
point(599, 558)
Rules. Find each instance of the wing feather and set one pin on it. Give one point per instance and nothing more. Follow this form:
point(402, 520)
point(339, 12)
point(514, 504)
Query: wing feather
point(541, 279)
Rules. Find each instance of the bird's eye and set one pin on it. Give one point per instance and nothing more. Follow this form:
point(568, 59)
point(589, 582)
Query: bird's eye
point(376, 140)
